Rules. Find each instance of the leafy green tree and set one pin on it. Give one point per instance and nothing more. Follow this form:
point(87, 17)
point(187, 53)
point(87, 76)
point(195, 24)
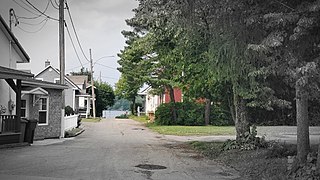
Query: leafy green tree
point(128, 89)
point(104, 97)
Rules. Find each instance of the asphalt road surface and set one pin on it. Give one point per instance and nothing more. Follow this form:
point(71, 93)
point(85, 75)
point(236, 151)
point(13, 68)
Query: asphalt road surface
point(111, 149)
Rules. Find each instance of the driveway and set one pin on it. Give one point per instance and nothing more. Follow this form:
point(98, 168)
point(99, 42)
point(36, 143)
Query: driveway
point(111, 149)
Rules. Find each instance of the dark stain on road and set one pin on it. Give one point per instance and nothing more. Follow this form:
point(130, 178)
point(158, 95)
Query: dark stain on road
point(138, 129)
point(150, 167)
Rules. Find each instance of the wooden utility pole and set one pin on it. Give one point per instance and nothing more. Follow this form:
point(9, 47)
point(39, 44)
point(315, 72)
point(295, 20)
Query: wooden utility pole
point(92, 88)
point(62, 60)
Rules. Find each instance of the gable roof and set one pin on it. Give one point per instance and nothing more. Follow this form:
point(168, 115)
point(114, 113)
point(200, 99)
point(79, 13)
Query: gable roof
point(57, 71)
point(37, 91)
point(8, 73)
point(42, 84)
point(79, 79)
point(16, 45)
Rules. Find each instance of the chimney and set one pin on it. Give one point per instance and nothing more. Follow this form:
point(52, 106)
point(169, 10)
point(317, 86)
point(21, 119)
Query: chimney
point(47, 63)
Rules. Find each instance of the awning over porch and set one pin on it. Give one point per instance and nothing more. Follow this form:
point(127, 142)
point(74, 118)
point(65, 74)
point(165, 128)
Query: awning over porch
point(8, 73)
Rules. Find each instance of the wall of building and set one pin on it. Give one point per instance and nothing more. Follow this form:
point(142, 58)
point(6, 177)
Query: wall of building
point(53, 129)
point(5, 62)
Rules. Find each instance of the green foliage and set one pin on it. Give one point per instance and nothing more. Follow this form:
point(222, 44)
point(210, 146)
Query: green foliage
point(249, 142)
point(104, 97)
point(191, 113)
point(121, 105)
point(68, 111)
point(220, 116)
point(122, 116)
point(188, 113)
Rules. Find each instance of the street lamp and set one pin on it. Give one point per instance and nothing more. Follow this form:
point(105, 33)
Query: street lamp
point(92, 88)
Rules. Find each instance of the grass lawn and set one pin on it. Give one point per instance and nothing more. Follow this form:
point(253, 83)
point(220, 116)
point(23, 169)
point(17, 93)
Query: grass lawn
point(193, 130)
point(142, 119)
point(186, 130)
point(93, 120)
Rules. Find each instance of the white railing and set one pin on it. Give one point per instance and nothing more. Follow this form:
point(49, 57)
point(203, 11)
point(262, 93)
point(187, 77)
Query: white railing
point(70, 122)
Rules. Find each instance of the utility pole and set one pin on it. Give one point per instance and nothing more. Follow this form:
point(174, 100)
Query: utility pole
point(92, 88)
point(62, 60)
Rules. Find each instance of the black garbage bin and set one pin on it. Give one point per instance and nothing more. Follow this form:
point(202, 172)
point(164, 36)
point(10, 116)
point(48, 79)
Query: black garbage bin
point(30, 127)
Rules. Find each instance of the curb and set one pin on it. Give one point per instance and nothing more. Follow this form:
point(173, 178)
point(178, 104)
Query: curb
point(14, 145)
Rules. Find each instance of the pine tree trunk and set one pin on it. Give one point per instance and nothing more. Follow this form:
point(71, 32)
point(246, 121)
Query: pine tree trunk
point(174, 110)
point(303, 141)
point(207, 112)
point(241, 117)
point(133, 106)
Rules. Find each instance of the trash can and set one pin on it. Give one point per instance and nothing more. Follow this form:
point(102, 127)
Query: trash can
point(24, 122)
point(30, 127)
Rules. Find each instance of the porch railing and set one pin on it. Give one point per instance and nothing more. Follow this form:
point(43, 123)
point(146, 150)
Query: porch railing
point(9, 123)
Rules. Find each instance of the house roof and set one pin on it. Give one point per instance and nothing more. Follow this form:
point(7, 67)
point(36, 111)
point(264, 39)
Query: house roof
point(37, 91)
point(8, 73)
point(16, 45)
point(57, 71)
point(79, 79)
point(43, 84)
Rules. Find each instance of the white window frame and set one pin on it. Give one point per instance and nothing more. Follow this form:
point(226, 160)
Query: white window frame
point(26, 108)
point(40, 79)
point(47, 115)
point(56, 79)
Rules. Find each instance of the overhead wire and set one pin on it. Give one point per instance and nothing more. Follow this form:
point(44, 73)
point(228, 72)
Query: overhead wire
point(33, 24)
point(36, 30)
point(76, 67)
point(109, 77)
point(75, 32)
point(37, 15)
point(53, 5)
point(106, 66)
point(43, 13)
point(74, 48)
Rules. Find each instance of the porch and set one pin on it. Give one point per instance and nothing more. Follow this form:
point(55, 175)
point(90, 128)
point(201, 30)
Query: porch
point(10, 131)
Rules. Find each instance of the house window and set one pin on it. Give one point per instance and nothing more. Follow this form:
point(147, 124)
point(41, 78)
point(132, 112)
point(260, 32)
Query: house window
point(56, 80)
point(43, 111)
point(24, 108)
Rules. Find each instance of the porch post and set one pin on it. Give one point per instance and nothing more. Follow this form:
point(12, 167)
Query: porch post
point(18, 105)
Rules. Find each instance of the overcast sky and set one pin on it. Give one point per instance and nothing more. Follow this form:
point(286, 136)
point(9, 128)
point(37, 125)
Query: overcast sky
point(98, 24)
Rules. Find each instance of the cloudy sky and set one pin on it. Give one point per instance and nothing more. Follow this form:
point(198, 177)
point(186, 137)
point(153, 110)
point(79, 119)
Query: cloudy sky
point(98, 24)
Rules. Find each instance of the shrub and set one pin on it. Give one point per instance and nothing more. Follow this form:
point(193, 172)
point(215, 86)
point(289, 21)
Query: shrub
point(122, 116)
point(188, 113)
point(249, 142)
point(220, 117)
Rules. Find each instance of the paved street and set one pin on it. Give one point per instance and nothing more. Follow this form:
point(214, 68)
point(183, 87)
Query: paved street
point(111, 149)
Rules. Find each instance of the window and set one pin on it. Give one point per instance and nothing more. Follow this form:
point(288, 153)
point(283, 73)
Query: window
point(56, 80)
point(23, 108)
point(43, 111)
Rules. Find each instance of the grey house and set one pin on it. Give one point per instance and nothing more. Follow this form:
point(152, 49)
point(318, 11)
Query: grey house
point(51, 74)
point(41, 100)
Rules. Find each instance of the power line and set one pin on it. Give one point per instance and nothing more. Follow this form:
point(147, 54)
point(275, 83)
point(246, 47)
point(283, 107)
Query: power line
point(43, 13)
point(109, 77)
point(37, 16)
point(74, 48)
point(107, 66)
point(36, 30)
point(54, 6)
point(33, 24)
point(76, 67)
point(75, 32)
